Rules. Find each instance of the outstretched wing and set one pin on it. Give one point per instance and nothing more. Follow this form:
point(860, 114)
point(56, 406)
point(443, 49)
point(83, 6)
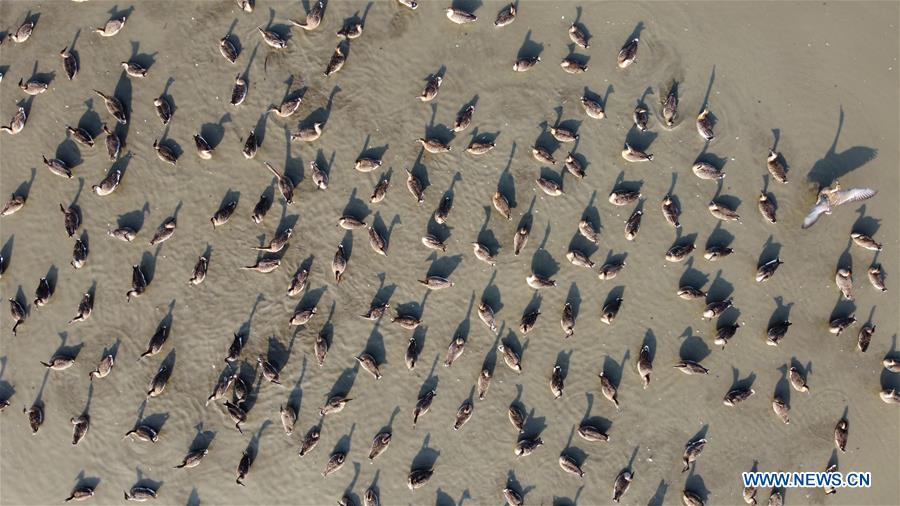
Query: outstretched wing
point(851, 195)
point(820, 208)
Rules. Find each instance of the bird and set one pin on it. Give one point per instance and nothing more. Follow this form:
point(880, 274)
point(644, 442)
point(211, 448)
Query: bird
point(833, 196)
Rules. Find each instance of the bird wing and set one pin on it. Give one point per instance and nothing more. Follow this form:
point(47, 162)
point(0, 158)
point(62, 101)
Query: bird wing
point(817, 210)
point(851, 195)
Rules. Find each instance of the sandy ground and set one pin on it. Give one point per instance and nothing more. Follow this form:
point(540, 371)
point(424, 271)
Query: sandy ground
point(825, 87)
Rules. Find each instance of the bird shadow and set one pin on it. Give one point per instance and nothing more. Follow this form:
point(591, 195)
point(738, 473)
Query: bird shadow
point(545, 139)
point(636, 33)
point(311, 298)
point(124, 93)
point(694, 483)
point(506, 185)
point(782, 386)
point(484, 137)
point(573, 298)
point(231, 36)
point(144, 482)
point(145, 60)
point(613, 370)
point(203, 439)
point(384, 292)
point(771, 251)
point(834, 165)
point(592, 214)
point(842, 308)
point(580, 59)
point(432, 380)
point(620, 184)
point(490, 358)
point(253, 446)
point(604, 424)
point(343, 444)
point(693, 347)
point(66, 350)
point(845, 260)
point(356, 207)
point(231, 196)
point(712, 159)
point(327, 330)
point(534, 425)
point(52, 277)
point(782, 311)
point(730, 201)
point(246, 73)
point(462, 330)
point(134, 219)
point(90, 120)
point(24, 188)
point(542, 262)
point(438, 131)
point(720, 237)
point(513, 483)
point(530, 48)
point(686, 240)
point(491, 294)
point(659, 496)
point(244, 329)
point(567, 501)
point(534, 304)
point(738, 383)
point(712, 79)
point(375, 346)
point(419, 171)
point(719, 289)
point(81, 480)
point(116, 13)
point(562, 361)
point(248, 371)
point(486, 236)
point(345, 381)
point(7, 390)
point(296, 396)
point(194, 498)
point(427, 456)
point(616, 293)
point(634, 453)
point(148, 264)
point(640, 140)
point(321, 114)
point(527, 219)
point(278, 354)
point(156, 421)
point(443, 266)
point(867, 225)
point(414, 309)
point(805, 370)
point(68, 152)
point(573, 452)
point(389, 426)
point(213, 133)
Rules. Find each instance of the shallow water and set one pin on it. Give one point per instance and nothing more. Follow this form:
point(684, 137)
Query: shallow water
point(828, 86)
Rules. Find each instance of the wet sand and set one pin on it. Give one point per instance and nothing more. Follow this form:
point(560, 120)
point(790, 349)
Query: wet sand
point(828, 86)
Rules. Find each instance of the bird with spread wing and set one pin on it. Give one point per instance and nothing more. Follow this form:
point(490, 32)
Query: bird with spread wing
point(833, 196)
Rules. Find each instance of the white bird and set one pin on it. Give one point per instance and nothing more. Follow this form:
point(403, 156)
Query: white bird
point(833, 196)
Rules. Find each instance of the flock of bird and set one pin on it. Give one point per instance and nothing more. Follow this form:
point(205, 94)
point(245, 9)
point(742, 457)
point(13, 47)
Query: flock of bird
point(232, 387)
